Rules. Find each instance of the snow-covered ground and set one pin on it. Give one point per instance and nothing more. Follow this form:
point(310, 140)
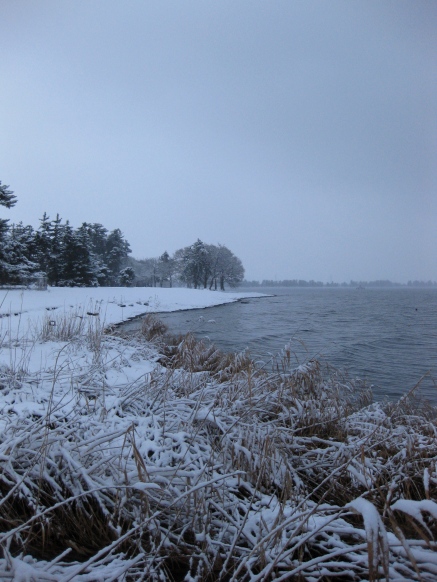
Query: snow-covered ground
point(32, 323)
point(22, 310)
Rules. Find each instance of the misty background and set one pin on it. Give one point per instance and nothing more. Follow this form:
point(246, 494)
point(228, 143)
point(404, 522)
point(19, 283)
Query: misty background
point(302, 135)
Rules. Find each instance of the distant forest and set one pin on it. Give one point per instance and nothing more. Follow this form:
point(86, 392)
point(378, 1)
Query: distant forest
point(355, 284)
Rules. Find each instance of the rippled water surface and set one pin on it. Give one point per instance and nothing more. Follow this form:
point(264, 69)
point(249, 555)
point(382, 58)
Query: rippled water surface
point(386, 336)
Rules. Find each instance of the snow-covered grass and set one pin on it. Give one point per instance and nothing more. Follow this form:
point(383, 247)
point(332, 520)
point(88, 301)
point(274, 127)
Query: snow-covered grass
point(22, 310)
point(141, 457)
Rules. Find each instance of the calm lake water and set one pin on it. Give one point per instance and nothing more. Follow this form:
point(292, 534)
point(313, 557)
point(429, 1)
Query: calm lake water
point(386, 336)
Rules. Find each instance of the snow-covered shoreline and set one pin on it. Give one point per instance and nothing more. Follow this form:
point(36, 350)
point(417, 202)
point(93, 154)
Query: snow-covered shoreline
point(22, 310)
point(155, 461)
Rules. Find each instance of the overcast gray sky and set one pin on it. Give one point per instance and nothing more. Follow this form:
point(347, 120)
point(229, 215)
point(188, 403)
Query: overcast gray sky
point(301, 134)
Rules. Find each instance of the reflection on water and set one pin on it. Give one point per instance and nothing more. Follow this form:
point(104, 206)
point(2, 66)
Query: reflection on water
point(386, 336)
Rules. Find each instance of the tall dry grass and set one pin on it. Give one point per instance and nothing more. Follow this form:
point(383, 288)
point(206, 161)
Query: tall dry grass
point(211, 469)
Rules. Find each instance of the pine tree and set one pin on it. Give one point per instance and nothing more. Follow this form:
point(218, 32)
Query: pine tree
point(49, 244)
point(8, 200)
point(43, 243)
point(7, 197)
point(85, 256)
point(86, 267)
point(4, 257)
point(117, 250)
point(56, 249)
point(22, 254)
point(97, 234)
point(75, 259)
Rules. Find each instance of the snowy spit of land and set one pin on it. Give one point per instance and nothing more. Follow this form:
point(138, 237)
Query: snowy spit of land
point(146, 457)
point(23, 310)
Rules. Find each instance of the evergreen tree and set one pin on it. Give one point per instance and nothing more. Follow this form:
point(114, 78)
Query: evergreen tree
point(75, 260)
point(22, 253)
point(98, 239)
point(48, 242)
point(4, 257)
point(43, 243)
point(86, 266)
point(7, 197)
point(8, 200)
point(56, 231)
point(86, 256)
point(66, 259)
point(117, 250)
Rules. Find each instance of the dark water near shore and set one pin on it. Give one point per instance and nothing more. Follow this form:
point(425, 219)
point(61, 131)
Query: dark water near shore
point(386, 336)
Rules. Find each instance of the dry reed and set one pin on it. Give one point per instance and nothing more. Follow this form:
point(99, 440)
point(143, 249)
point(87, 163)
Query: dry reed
point(211, 469)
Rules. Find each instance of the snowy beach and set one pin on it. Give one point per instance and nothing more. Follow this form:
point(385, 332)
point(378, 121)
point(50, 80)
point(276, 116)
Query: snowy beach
point(22, 310)
point(143, 458)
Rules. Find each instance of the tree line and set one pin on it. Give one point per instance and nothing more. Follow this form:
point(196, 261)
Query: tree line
point(382, 283)
point(197, 266)
point(90, 255)
point(65, 256)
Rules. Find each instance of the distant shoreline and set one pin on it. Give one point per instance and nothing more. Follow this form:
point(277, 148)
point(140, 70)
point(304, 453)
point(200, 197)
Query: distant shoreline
point(352, 285)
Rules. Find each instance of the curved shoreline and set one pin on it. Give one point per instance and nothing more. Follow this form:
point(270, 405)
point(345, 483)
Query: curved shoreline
point(22, 310)
point(141, 315)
